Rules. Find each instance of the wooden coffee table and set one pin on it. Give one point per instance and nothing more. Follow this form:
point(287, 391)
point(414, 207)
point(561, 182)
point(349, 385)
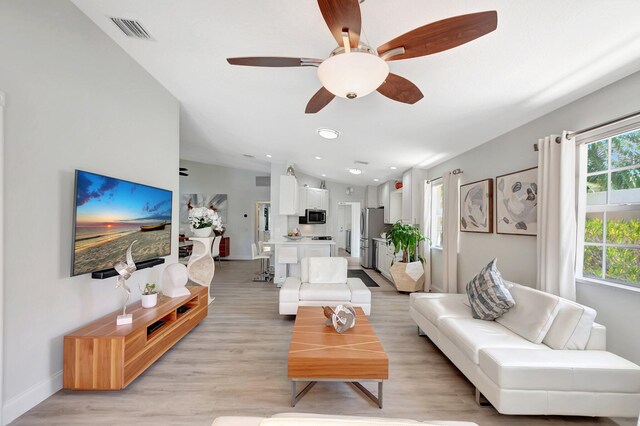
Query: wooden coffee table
point(319, 353)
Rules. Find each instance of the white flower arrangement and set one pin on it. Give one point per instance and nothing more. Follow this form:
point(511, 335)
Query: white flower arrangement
point(203, 217)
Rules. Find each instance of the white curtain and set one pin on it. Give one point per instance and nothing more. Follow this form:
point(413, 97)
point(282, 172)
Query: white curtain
point(556, 250)
point(426, 231)
point(450, 220)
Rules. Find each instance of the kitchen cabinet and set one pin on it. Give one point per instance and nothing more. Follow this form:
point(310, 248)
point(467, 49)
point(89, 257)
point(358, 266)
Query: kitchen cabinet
point(289, 205)
point(384, 258)
point(407, 215)
point(385, 199)
point(395, 206)
point(371, 197)
point(313, 198)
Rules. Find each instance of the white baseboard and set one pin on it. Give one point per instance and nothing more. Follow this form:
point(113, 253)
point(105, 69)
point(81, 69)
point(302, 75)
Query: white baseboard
point(25, 401)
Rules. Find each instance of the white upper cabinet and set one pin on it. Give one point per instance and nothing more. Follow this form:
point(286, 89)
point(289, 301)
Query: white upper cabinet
point(289, 205)
point(407, 215)
point(313, 199)
point(372, 197)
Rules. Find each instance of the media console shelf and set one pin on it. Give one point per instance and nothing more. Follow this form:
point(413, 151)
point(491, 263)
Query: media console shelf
point(106, 356)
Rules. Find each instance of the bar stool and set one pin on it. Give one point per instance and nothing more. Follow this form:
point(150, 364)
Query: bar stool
point(267, 251)
point(286, 256)
point(262, 275)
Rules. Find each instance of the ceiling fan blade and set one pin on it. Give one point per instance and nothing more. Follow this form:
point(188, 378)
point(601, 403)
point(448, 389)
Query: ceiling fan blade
point(441, 35)
point(341, 14)
point(400, 89)
point(274, 61)
point(319, 101)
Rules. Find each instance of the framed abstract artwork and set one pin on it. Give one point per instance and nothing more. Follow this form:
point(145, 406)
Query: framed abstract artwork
point(476, 207)
point(517, 203)
point(216, 202)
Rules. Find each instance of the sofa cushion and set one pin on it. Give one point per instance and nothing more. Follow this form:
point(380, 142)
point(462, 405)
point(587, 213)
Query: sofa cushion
point(533, 313)
point(488, 296)
point(327, 270)
point(572, 326)
point(436, 306)
point(333, 292)
point(561, 370)
point(472, 335)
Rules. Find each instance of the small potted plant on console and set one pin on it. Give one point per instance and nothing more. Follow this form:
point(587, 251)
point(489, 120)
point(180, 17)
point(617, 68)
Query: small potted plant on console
point(149, 295)
point(408, 274)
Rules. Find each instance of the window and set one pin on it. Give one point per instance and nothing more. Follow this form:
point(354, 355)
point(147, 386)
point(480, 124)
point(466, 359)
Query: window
point(437, 205)
point(612, 213)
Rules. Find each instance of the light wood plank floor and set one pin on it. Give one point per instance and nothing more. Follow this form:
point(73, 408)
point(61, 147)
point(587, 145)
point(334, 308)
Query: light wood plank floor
point(235, 362)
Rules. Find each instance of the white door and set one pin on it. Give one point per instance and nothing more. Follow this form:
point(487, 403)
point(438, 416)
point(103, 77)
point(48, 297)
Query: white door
point(343, 211)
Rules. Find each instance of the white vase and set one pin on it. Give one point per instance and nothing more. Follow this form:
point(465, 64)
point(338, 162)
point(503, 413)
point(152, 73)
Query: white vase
point(202, 232)
point(149, 300)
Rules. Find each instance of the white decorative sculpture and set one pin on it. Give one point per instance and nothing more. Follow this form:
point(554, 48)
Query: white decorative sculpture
point(201, 266)
point(125, 270)
point(174, 279)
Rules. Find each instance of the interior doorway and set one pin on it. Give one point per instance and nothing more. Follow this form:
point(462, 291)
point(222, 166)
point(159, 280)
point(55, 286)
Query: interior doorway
point(344, 227)
point(263, 221)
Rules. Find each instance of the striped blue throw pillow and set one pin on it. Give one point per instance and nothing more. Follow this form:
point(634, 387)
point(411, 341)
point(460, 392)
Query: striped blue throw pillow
point(488, 295)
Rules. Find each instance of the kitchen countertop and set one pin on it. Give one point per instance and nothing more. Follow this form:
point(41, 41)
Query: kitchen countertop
point(304, 240)
point(382, 240)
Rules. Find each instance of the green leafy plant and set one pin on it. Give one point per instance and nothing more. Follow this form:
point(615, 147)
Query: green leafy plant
point(405, 239)
point(149, 289)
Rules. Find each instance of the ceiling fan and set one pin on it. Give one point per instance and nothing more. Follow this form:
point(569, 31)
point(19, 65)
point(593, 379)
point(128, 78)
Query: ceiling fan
point(354, 69)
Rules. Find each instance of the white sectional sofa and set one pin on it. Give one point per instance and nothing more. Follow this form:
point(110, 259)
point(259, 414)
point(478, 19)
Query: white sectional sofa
point(304, 419)
point(323, 281)
point(520, 376)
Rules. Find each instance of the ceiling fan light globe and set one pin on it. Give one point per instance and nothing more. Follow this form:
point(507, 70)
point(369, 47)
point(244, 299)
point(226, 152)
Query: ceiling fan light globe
point(355, 73)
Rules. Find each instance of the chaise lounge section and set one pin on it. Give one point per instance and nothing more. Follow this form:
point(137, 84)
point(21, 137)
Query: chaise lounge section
point(520, 376)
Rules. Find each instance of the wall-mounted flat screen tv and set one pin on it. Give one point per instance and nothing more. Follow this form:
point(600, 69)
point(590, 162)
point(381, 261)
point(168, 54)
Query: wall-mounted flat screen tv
point(110, 213)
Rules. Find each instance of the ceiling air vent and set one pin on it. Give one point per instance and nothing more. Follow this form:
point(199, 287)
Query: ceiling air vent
point(361, 162)
point(263, 180)
point(131, 28)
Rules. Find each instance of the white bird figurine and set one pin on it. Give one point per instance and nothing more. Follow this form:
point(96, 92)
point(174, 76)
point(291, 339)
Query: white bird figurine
point(125, 270)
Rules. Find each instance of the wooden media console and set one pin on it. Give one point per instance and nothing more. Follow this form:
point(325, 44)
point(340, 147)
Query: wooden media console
point(106, 356)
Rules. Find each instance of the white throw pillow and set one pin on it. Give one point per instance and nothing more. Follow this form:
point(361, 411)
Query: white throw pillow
point(327, 270)
point(533, 313)
point(571, 328)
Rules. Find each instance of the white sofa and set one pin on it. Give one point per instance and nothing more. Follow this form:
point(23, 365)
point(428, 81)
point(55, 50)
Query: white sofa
point(519, 376)
point(323, 281)
point(304, 419)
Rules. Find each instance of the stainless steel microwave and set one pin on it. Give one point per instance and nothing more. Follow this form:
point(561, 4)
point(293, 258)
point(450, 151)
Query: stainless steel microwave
point(313, 217)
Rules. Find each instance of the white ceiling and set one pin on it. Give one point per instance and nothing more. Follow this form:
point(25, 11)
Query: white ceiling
point(544, 54)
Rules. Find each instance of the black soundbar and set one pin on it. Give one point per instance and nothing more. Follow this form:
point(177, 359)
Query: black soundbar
point(111, 272)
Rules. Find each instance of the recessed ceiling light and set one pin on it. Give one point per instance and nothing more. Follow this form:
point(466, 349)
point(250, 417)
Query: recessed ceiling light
point(323, 175)
point(393, 167)
point(376, 180)
point(318, 158)
point(269, 156)
point(328, 133)
point(355, 171)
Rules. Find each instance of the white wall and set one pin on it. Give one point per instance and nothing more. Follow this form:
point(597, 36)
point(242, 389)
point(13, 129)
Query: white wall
point(242, 195)
point(617, 309)
point(74, 100)
point(2, 104)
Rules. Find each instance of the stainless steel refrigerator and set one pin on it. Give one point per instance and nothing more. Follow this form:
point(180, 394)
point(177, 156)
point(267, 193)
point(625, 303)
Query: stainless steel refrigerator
point(371, 224)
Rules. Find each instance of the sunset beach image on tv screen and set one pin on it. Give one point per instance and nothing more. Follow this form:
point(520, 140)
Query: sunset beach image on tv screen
point(110, 214)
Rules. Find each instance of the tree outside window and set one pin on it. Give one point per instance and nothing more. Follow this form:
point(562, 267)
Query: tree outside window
point(612, 222)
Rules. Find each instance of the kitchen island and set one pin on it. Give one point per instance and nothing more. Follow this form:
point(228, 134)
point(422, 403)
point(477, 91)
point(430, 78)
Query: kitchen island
point(306, 247)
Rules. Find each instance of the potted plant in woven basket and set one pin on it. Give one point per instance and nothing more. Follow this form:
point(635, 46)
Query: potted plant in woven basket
point(408, 274)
